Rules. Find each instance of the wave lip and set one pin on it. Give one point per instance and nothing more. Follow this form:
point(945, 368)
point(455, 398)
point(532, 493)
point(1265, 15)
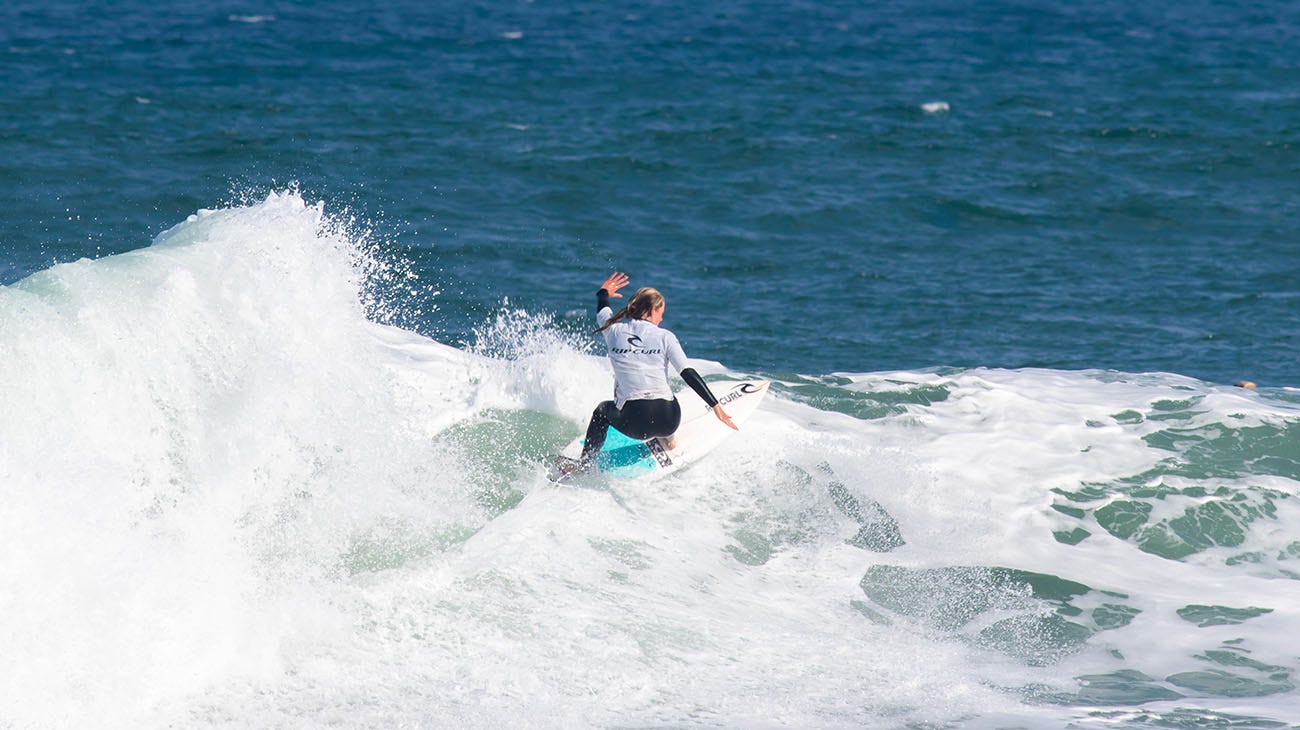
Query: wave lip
point(198, 430)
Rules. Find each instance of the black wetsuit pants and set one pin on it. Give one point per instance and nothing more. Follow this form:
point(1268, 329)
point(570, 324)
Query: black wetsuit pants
point(639, 419)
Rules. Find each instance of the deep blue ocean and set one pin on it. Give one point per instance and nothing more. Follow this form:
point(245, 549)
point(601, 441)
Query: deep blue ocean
point(1112, 186)
point(295, 307)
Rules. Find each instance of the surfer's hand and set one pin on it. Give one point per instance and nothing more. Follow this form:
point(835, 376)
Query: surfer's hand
point(722, 416)
point(616, 281)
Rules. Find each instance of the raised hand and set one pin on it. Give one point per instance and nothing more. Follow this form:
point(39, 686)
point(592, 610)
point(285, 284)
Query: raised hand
point(616, 281)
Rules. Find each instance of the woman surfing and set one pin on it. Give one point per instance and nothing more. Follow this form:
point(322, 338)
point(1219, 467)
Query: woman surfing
point(641, 352)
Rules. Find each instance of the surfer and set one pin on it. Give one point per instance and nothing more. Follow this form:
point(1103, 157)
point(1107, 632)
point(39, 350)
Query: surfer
point(641, 351)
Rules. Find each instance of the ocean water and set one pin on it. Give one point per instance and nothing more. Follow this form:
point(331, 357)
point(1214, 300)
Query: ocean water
point(295, 302)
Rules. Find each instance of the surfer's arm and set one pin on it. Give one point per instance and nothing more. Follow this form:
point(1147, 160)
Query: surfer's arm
point(677, 358)
point(603, 312)
point(701, 389)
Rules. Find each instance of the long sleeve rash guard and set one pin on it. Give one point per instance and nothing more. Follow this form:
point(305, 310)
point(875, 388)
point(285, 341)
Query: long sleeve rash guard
point(642, 354)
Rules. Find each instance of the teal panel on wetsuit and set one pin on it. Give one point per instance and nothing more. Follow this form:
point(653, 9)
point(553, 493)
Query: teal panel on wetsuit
point(625, 456)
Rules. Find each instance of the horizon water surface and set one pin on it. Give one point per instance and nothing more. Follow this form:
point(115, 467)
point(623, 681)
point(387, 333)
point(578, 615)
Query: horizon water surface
point(295, 307)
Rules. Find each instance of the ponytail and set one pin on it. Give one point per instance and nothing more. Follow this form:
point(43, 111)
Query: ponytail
point(643, 302)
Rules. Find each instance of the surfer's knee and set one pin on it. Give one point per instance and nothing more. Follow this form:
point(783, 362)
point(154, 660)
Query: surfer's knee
point(605, 413)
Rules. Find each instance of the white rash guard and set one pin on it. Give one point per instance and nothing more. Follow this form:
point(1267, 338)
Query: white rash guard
point(642, 354)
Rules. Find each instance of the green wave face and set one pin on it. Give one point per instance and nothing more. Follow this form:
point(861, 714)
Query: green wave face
point(1215, 492)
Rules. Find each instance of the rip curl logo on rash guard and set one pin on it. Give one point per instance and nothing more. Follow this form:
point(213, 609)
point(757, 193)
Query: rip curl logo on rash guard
point(634, 348)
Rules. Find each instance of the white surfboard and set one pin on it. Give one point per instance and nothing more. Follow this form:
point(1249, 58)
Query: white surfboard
point(700, 432)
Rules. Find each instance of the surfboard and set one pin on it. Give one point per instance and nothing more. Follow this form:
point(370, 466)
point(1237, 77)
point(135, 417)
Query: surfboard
point(624, 457)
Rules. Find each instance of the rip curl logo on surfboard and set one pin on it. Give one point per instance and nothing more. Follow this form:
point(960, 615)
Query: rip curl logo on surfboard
point(740, 391)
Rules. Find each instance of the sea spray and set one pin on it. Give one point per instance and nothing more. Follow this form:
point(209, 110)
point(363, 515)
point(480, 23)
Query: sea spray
point(194, 434)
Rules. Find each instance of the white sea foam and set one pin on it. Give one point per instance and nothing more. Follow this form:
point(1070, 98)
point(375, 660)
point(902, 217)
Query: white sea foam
point(232, 500)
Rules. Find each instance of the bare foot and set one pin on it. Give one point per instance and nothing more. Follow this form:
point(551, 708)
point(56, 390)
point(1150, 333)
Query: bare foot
point(563, 467)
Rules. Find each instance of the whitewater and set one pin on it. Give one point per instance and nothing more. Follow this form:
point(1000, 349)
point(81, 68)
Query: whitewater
point(233, 495)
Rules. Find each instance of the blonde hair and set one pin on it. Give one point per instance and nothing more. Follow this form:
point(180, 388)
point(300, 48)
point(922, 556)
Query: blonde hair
point(643, 302)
